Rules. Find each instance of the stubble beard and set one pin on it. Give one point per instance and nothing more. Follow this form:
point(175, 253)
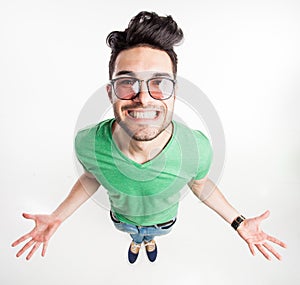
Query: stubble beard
point(144, 133)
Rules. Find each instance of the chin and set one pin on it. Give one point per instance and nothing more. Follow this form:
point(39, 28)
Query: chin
point(144, 138)
point(147, 134)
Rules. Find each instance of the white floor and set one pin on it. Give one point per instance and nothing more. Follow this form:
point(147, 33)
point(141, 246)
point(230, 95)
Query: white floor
point(201, 249)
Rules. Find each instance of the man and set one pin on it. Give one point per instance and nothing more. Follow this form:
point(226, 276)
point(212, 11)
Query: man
point(142, 157)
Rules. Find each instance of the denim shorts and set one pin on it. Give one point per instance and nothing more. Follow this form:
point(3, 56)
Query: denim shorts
point(154, 230)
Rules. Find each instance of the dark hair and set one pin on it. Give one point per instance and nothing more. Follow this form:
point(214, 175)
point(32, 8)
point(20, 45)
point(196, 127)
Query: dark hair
point(146, 29)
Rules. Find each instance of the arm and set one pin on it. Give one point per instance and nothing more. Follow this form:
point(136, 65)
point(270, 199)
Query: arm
point(46, 225)
point(249, 229)
point(207, 192)
point(83, 189)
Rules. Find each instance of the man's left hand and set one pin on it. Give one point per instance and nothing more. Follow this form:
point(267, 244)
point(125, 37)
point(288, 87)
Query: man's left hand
point(251, 232)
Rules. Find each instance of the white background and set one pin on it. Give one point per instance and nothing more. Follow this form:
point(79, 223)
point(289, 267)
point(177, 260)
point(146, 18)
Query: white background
point(244, 55)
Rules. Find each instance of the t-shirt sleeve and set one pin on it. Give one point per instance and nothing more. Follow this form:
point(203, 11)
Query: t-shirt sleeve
point(205, 155)
point(78, 148)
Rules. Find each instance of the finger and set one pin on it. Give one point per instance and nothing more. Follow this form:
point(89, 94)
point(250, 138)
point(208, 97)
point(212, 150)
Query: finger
point(251, 247)
point(25, 247)
point(264, 253)
point(33, 250)
point(272, 250)
point(277, 241)
point(21, 239)
point(45, 245)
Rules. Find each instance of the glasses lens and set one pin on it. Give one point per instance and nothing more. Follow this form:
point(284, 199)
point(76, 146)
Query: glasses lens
point(126, 88)
point(161, 88)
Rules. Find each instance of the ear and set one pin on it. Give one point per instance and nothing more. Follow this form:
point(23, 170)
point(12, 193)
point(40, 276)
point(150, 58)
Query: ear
point(109, 92)
point(175, 90)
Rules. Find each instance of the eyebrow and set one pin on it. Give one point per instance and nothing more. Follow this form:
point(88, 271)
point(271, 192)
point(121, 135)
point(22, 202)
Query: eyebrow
point(166, 74)
point(131, 73)
point(125, 72)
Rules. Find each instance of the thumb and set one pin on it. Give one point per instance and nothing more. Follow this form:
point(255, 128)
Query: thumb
point(264, 216)
point(28, 216)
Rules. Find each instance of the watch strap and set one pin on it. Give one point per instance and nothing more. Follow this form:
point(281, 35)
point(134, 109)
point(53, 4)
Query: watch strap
point(237, 221)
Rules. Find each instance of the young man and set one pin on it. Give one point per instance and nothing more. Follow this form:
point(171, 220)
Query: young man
point(142, 157)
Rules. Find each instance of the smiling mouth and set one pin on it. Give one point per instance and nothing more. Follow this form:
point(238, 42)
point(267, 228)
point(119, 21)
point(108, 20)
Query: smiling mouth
point(151, 114)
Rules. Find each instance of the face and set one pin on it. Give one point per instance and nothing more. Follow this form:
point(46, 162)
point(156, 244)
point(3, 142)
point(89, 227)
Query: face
point(143, 118)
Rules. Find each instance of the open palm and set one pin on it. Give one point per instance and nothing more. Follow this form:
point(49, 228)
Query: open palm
point(251, 232)
point(45, 227)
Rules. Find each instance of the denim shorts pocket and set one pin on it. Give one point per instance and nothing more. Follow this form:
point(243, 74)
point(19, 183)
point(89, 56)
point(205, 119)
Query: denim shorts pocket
point(130, 229)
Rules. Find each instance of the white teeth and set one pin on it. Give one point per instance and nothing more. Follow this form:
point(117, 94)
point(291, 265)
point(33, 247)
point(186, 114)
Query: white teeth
point(143, 115)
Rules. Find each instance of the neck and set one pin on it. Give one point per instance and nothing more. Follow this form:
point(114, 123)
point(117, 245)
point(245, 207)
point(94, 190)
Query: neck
point(140, 151)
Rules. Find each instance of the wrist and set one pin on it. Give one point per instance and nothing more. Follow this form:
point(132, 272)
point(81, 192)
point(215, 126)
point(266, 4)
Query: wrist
point(57, 217)
point(237, 221)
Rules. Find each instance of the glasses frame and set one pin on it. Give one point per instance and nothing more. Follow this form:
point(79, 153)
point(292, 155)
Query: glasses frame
point(112, 81)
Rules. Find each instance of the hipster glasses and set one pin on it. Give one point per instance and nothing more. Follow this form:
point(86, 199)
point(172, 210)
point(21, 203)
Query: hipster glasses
point(128, 88)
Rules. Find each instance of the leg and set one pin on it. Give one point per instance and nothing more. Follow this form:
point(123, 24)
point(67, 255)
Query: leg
point(135, 245)
point(137, 238)
point(150, 245)
point(148, 238)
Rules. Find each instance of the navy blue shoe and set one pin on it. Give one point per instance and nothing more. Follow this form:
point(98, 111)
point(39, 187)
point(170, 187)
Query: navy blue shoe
point(133, 252)
point(151, 250)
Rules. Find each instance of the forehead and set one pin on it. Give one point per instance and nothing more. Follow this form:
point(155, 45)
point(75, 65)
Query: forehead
point(143, 59)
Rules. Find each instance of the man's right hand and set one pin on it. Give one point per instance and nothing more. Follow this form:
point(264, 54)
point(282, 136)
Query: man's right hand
point(45, 227)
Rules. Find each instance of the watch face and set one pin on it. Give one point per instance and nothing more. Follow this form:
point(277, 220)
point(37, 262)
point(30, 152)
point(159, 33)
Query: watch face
point(239, 219)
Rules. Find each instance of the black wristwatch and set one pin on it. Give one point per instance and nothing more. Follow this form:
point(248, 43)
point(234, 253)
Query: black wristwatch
point(237, 221)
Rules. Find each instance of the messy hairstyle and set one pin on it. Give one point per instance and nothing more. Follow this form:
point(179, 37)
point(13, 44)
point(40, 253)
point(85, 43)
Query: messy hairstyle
point(146, 29)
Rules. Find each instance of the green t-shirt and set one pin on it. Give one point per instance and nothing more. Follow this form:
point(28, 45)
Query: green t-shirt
point(149, 193)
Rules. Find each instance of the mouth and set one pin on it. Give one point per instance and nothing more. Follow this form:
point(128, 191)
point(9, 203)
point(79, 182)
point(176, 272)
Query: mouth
point(143, 114)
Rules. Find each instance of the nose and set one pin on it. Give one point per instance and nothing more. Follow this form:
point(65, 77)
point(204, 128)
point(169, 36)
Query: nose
point(144, 95)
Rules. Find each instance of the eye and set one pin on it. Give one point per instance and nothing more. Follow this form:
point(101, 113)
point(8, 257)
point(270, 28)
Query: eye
point(156, 81)
point(126, 81)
